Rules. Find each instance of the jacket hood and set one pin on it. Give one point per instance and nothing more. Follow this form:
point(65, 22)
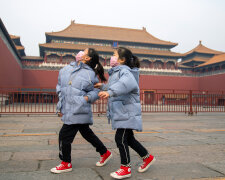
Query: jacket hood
point(73, 63)
point(134, 71)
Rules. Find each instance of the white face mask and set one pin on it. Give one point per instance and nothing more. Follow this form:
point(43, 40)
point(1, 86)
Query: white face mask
point(79, 56)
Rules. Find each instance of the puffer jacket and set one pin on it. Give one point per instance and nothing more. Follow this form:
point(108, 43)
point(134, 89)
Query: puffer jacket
point(74, 82)
point(124, 107)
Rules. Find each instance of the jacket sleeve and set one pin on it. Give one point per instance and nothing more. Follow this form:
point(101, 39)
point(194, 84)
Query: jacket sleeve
point(58, 86)
point(93, 94)
point(58, 91)
point(104, 87)
point(124, 85)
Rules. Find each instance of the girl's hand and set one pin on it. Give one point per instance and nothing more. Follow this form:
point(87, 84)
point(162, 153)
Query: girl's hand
point(103, 94)
point(86, 98)
point(98, 85)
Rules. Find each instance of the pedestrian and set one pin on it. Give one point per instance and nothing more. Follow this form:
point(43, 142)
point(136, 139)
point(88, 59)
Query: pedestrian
point(76, 92)
point(124, 109)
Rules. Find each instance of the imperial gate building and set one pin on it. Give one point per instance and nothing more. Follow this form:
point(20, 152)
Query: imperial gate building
point(201, 68)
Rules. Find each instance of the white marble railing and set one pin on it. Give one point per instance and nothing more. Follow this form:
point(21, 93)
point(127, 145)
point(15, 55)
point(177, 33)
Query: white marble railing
point(57, 65)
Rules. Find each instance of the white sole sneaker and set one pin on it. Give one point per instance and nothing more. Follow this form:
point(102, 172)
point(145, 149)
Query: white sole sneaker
point(54, 170)
point(145, 169)
point(99, 164)
point(114, 175)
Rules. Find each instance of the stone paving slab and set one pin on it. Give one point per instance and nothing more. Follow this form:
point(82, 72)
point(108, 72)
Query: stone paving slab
point(77, 174)
point(186, 147)
point(38, 155)
point(18, 166)
point(218, 166)
point(41, 130)
point(22, 142)
point(5, 156)
point(181, 171)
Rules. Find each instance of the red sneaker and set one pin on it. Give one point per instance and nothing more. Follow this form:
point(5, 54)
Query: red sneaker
point(63, 167)
point(123, 172)
point(147, 162)
point(104, 158)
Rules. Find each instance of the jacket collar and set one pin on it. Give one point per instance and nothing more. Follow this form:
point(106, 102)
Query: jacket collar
point(77, 66)
point(117, 68)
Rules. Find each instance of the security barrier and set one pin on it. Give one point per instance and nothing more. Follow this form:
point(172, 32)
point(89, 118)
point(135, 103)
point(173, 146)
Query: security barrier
point(44, 100)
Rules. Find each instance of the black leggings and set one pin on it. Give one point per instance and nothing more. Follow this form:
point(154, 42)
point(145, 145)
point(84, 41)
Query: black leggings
point(125, 138)
point(66, 137)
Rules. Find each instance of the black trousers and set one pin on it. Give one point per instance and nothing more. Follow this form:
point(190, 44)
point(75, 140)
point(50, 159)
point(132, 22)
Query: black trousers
point(66, 137)
point(125, 138)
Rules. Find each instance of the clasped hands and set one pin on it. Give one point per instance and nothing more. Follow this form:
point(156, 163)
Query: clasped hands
point(102, 94)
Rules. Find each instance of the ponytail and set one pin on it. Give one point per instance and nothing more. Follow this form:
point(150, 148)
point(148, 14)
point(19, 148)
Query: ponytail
point(95, 62)
point(100, 71)
point(136, 62)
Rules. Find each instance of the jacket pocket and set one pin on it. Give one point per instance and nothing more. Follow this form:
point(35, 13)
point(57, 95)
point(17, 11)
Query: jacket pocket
point(134, 109)
point(119, 112)
point(86, 85)
point(78, 105)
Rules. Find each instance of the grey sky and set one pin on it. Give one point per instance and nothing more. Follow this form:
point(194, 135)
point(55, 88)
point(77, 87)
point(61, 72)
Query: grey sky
point(182, 21)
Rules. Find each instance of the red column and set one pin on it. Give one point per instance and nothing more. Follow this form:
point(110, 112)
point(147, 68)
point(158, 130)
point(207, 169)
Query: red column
point(164, 65)
point(61, 59)
point(176, 65)
point(45, 58)
point(152, 66)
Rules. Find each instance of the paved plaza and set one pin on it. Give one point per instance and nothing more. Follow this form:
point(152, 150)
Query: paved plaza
point(186, 147)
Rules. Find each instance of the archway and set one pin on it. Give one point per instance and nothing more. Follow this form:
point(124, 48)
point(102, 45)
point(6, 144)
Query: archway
point(145, 63)
point(170, 65)
point(53, 58)
point(158, 64)
point(67, 59)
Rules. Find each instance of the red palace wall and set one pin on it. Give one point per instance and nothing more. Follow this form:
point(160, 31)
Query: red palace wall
point(11, 72)
point(40, 78)
point(212, 83)
point(150, 82)
point(48, 79)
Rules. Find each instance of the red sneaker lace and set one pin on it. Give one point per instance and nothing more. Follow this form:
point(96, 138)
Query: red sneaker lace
point(119, 171)
point(60, 166)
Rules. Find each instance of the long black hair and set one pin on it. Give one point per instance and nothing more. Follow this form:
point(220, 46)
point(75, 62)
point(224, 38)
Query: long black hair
point(94, 61)
point(130, 60)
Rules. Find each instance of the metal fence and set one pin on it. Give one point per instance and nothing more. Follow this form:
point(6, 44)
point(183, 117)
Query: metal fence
point(183, 101)
point(44, 100)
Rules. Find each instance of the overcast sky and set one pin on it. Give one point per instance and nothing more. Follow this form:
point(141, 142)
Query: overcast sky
point(181, 21)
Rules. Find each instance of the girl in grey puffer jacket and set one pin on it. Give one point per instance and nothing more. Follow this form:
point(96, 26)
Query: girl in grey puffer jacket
point(124, 109)
point(76, 93)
